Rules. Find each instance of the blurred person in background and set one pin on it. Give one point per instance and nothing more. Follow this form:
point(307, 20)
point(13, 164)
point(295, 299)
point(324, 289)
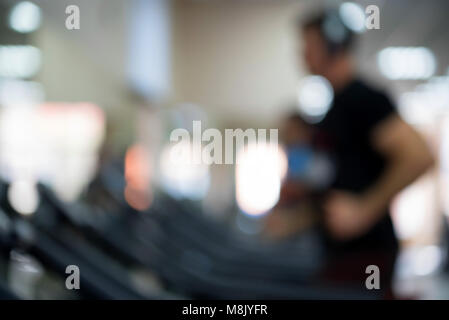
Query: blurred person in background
point(308, 174)
point(375, 154)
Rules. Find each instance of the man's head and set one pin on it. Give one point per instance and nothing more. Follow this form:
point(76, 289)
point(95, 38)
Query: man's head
point(326, 39)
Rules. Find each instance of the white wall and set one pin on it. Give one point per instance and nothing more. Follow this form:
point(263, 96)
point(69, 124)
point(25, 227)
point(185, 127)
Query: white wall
point(88, 65)
point(237, 59)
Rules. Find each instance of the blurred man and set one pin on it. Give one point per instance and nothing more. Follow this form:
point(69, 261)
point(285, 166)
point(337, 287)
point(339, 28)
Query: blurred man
point(376, 154)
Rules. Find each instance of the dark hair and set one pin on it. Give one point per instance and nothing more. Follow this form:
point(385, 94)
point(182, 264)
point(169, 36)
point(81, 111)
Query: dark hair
point(337, 36)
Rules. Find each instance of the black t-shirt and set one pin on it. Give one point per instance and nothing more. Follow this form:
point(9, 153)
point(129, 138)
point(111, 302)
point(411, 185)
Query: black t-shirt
point(345, 134)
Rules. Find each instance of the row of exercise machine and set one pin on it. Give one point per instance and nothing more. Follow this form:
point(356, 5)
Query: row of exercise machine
point(170, 251)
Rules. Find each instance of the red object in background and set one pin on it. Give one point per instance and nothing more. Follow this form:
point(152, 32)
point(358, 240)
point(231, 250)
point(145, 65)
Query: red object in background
point(291, 192)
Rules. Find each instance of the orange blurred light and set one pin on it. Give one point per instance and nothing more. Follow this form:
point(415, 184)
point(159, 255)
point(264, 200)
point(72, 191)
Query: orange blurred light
point(138, 177)
point(137, 199)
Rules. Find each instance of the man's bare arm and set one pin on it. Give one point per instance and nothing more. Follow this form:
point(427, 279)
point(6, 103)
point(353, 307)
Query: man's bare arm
point(408, 157)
